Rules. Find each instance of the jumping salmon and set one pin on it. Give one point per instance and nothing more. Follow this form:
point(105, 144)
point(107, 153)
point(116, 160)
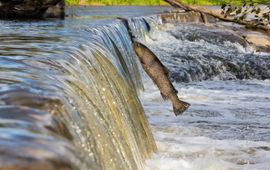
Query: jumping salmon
point(156, 71)
point(160, 75)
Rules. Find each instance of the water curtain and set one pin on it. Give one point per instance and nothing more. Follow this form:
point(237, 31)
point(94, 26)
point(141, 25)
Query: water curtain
point(75, 110)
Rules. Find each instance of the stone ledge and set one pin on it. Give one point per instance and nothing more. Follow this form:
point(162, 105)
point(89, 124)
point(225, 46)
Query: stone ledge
point(32, 9)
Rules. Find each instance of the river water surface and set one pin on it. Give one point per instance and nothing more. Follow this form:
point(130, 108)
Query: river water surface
point(85, 69)
point(227, 84)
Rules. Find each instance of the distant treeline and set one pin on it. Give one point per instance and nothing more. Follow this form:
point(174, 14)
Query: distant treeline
point(161, 2)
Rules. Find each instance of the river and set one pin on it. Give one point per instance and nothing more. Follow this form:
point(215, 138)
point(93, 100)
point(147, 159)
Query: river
point(69, 95)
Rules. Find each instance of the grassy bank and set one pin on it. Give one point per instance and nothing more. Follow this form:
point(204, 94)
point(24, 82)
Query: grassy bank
point(115, 2)
point(159, 2)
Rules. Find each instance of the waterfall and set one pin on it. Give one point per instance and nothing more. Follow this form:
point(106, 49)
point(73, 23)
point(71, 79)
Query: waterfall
point(141, 27)
point(77, 109)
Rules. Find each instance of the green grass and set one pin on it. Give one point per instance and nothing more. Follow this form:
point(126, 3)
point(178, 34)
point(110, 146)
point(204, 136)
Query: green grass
point(160, 2)
point(116, 2)
point(72, 2)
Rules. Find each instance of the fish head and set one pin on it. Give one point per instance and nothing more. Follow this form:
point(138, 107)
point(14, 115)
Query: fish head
point(137, 46)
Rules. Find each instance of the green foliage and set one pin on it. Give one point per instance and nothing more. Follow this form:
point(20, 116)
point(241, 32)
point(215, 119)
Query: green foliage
point(127, 2)
point(161, 2)
point(72, 2)
point(117, 2)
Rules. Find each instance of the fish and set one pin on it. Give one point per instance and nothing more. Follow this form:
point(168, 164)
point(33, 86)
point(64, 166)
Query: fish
point(160, 76)
point(156, 71)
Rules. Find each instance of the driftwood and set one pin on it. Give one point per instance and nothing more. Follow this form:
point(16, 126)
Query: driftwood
point(248, 24)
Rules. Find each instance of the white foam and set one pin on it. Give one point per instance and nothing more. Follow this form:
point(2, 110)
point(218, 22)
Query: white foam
point(228, 124)
point(214, 134)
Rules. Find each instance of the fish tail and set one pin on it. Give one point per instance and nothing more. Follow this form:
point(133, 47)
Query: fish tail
point(180, 107)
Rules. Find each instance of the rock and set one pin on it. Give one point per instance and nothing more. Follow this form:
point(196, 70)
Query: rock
point(31, 9)
point(57, 11)
point(210, 34)
point(259, 41)
point(187, 17)
point(182, 17)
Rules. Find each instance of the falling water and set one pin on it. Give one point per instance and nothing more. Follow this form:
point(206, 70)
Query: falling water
point(73, 105)
point(69, 97)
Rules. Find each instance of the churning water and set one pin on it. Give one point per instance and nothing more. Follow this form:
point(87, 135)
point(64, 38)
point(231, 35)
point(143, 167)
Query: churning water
point(68, 96)
point(227, 83)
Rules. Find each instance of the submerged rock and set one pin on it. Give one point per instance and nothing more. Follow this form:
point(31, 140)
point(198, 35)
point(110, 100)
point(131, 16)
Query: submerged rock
point(16, 9)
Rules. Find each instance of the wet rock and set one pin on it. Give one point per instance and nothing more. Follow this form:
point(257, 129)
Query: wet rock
point(216, 36)
point(31, 9)
point(187, 17)
point(182, 17)
point(57, 11)
point(238, 34)
point(259, 41)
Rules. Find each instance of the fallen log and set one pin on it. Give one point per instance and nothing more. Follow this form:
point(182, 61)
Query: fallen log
point(203, 11)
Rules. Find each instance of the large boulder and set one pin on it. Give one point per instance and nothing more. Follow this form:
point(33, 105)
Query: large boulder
point(28, 9)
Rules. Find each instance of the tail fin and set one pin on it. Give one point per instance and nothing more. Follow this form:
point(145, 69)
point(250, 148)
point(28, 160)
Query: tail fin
point(180, 107)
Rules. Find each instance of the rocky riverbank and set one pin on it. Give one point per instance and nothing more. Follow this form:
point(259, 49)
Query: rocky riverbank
point(32, 9)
